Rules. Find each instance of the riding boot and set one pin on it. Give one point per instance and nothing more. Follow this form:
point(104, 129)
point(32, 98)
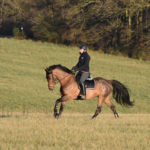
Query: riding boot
point(83, 91)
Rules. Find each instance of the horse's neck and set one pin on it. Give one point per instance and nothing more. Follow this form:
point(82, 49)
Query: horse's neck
point(61, 75)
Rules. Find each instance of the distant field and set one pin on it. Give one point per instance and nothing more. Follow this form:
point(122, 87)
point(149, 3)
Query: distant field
point(23, 86)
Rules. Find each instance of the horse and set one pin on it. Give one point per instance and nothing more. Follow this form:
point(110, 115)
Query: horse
point(69, 90)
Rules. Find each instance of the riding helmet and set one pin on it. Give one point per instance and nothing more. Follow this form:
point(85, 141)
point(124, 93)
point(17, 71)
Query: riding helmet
point(83, 47)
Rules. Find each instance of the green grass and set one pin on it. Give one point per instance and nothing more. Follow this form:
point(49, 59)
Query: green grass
point(23, 86)
point(26, 104)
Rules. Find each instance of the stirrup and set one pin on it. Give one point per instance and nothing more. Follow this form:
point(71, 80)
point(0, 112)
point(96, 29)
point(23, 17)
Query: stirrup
point(83, 97)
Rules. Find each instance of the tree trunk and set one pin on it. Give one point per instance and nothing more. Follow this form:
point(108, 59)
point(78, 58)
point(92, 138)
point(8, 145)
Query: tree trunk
point(1, 18)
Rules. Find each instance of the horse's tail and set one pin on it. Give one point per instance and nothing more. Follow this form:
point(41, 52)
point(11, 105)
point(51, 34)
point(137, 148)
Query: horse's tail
point(121, 94)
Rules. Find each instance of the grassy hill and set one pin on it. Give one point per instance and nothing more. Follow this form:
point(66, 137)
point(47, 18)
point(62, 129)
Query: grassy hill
point(23, 89)
point(23, 86)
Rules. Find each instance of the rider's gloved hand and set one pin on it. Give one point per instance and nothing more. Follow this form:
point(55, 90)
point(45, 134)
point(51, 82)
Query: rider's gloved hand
point(74, 68)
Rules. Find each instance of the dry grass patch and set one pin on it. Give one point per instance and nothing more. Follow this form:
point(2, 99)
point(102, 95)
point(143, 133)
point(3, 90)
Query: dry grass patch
point(39, 131)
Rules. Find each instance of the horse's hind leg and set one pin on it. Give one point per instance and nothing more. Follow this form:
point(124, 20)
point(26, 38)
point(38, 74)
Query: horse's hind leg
point(98, 110)
point(112, 106)
point(99, 105)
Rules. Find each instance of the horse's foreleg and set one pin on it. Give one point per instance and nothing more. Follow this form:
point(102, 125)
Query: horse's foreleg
point(61, 108)
point(62, 100)
point(56, 115)
point(99, 106)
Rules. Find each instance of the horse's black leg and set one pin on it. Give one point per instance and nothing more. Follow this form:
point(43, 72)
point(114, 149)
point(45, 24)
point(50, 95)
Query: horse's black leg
point(56, 115)
point(99, 106)
point(61, 109)
point(98, 110)
point(62, 100)
point(114, 111)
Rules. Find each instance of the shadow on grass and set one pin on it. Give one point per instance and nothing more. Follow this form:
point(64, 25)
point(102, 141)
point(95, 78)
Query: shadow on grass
point(5, 116)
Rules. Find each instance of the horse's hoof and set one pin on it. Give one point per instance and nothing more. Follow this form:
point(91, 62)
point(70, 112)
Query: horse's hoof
point(93, 117)
point(56, 115)
point(116, 116)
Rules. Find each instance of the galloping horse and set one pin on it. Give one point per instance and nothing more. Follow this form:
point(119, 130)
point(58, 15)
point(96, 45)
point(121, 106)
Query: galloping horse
point(69, 90)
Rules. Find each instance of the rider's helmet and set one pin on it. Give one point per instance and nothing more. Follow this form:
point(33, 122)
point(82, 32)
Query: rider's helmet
point(83, 47)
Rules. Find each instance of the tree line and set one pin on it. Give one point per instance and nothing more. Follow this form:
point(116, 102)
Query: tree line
point(111, 26)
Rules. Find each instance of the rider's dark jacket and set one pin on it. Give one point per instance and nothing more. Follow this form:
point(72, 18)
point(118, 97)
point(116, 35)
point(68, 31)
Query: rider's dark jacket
point(83, 63)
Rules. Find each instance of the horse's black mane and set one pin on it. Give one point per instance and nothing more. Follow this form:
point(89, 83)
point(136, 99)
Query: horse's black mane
point(63, 68)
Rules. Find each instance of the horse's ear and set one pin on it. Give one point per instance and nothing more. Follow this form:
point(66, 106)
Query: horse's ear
point(46, 69)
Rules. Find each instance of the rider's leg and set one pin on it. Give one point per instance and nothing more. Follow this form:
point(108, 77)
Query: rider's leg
point(84, 76)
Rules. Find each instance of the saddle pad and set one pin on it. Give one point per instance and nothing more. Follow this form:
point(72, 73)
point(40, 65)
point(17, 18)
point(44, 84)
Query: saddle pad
point(89, 84)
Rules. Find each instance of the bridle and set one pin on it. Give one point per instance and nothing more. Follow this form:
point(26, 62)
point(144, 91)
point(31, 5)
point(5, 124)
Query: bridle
point(53, 77)
point(55, 80)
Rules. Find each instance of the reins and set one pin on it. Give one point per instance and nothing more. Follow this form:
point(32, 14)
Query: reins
point(60, 79)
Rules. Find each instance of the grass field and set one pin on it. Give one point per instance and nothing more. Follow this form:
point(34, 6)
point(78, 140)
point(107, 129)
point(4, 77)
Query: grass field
point(23, 86)
point(76, 131)
point(26, 104)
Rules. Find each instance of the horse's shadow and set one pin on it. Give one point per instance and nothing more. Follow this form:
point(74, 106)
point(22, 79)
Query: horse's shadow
point(5, 116)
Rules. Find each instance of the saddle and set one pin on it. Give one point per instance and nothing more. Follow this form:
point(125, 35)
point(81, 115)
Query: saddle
point(89, 83)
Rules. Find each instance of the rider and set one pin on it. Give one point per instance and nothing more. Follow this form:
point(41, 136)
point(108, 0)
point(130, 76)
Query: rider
point(83, 67)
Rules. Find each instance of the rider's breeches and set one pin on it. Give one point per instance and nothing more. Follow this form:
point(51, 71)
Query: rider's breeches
point(84, 76)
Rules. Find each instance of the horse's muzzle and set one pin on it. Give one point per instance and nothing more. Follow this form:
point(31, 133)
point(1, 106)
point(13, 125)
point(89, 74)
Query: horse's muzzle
point(51, 89)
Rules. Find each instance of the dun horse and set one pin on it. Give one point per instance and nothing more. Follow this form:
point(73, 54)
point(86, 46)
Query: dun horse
point(70, 90)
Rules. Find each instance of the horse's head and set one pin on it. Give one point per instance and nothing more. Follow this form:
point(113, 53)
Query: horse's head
point(51, 79)
point(56, 72)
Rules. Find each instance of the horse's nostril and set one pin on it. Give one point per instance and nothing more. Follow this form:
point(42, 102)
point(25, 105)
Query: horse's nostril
point(51, 88)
